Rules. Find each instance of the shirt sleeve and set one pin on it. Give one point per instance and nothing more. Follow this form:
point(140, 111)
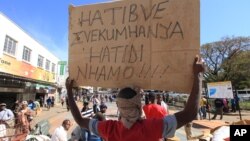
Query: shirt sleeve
point(169, 126)
point(93, 126)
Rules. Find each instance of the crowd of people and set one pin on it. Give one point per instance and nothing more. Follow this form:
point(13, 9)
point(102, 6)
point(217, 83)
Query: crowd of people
point(220, 106)
point(18, 119)
point(133, 116)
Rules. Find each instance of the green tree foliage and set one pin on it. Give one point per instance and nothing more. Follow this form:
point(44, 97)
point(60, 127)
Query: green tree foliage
point(228, 60)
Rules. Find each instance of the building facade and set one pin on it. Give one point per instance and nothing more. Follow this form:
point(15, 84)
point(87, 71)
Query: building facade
point(28, 71)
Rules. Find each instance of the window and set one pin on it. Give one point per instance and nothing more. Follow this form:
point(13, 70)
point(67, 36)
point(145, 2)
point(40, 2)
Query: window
point(40, 61)
point(53, 67)
point(26, 54)
point(47, 66)
point(10, 46)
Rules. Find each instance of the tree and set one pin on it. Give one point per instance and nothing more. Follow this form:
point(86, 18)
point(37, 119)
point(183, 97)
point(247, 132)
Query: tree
point(228, 60)
point(239, 70)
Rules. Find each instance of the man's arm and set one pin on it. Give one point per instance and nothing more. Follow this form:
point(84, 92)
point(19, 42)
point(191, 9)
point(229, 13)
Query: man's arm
point(82, 122)
point(190, 111)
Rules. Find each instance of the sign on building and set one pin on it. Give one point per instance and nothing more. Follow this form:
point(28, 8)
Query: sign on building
point(220, 90)
point(147, 43)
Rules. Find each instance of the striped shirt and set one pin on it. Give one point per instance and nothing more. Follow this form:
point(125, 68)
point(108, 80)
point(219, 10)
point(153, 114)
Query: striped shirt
point(87, 113)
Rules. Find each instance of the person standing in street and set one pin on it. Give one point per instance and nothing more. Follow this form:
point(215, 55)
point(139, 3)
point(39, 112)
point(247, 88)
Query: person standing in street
point(131, 126)
point(41, 101)
point(202, 109)
point(233, 105)
point(24, 119)
point(154, 110)
point(67, 103)
point(218, 102)
point(60, 133)
point(6, 120)
point(96, 103)
point(6, 116)
point(86, 110)
point(162, 103)
point(62, 100)
point(237, 99)
point(49, 101)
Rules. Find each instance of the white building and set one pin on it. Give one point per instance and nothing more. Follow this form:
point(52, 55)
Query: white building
point(27, 69)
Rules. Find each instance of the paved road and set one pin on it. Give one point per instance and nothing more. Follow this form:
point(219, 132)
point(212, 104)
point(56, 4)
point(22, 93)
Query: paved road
point(58, 113)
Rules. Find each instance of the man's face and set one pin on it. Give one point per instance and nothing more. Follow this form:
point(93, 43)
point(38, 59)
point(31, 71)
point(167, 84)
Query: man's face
point(86, 105)
point(67, 125)
point(2, 107)
point(103, 110)
point(24, 106)
point(159, 98)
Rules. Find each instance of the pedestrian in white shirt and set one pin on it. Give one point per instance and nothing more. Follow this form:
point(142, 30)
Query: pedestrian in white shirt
point(6, 116)
point(60, 133)
point(6, 121)
point(162, 103)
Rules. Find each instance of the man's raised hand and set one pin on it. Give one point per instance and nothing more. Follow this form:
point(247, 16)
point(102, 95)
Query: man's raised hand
point(198, 65)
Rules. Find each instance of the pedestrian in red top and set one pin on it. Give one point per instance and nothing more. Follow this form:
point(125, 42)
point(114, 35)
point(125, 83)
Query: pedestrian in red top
point(131, 126)
point(153, 110)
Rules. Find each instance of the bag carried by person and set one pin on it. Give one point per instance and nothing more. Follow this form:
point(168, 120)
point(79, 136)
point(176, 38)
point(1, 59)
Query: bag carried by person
point(10, 123)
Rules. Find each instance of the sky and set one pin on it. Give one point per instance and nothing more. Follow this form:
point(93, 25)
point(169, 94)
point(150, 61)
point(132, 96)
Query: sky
point(47, 20)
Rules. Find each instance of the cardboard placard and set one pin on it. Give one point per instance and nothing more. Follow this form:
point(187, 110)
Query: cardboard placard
point(147, 43)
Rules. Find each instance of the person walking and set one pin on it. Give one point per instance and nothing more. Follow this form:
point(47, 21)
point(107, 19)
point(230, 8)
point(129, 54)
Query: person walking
point(154, 110)
point(237, 99)
point(233, 105)
point(202, 110)
point(161, 102)
point(6, 116)
point(52, 101)
point(103, 109)
point(62, 100)
point(60, 133)
point(96, 103)
point(24, 118)
point(131, 126)
point(49, 102)
point(41, 101)
point(86, 110)
point(218, 102)
point(7, 120)
point(67, 103)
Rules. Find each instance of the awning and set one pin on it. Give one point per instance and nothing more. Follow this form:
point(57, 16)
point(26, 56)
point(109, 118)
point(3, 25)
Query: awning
point(6, 75)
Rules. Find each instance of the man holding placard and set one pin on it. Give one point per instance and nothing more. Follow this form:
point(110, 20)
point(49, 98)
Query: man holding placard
point(131, 126)
point(145, 43)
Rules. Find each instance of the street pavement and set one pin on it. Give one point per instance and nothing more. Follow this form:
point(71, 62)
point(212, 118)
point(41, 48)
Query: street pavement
point(57, 114)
